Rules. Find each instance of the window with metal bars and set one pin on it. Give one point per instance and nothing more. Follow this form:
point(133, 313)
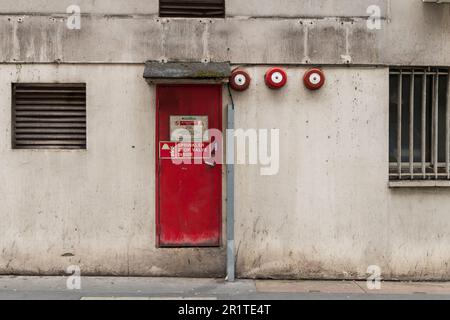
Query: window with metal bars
point(419, 124)
point(192, 8)
point(49, 116)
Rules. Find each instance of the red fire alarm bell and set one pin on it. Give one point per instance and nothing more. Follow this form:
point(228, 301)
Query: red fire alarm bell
point(240, 80)
point(314, 79)
point(276, 78)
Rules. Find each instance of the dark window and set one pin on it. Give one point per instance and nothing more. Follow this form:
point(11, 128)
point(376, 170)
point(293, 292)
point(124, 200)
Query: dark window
point(419, 124)
point(48, 116)
point(192, 8)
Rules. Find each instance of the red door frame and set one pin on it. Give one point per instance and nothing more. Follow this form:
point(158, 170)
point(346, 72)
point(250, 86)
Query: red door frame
point(157, 160)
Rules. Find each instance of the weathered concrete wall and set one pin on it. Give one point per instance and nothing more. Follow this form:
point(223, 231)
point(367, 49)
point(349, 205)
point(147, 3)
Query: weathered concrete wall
point(255, 32)
point(98, 204)
point(329, 212)
point(258, 8)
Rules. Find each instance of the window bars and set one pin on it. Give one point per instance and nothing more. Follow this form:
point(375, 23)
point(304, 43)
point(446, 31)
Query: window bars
point(419, 124)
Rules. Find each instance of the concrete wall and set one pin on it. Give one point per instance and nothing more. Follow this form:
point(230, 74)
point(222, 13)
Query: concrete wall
point(94, 208)
point(252, 8)
point(254, 32)
point(329, 212)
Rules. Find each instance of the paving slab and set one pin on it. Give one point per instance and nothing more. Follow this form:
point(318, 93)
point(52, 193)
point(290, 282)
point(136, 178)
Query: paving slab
point(349, 287)
point(439, 288)
point(159, 288)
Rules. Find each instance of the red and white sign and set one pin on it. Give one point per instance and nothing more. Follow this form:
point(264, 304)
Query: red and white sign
point(185, 128)
point(184, 150)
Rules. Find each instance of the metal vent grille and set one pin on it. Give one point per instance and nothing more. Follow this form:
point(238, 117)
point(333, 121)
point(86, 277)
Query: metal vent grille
point(48, 116)
point(192, 9)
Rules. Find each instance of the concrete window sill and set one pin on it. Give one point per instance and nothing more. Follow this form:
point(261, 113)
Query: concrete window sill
point(419, 184)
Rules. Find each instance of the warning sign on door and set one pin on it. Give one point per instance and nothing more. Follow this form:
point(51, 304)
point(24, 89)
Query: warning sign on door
point(184, 150)
point(191, 128)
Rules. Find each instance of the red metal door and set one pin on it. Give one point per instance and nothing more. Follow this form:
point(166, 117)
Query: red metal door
point(189, 196)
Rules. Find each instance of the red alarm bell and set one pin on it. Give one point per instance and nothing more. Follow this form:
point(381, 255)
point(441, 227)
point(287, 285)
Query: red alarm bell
point(314, 79)
point(276, 78)
point(240, 80)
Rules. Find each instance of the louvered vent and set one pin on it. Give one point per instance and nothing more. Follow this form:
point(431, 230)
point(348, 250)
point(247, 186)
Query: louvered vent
point(49, 116)
point(192, 9)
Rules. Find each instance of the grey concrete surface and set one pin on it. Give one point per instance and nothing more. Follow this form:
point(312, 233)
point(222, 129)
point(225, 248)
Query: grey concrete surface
point(113, 288)
point(95, 208)
point(252, 8)
point(281, 32)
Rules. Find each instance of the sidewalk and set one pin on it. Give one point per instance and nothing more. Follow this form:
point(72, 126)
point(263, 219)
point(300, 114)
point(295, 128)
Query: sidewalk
point(185, 288)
